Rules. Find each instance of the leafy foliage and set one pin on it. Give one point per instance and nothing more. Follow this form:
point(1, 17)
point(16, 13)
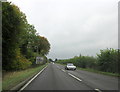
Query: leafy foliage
point(19, 39)
point(20, 62)
point(106, 61)
point(81, 61)
point(11, 30)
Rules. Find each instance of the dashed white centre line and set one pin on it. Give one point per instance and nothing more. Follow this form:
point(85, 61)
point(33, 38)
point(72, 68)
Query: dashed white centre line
point(98, 90)
point(63, 70)
point(74, 77)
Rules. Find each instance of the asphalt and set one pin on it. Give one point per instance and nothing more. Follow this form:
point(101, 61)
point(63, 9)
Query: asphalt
point(55, 77)
point(95, 80)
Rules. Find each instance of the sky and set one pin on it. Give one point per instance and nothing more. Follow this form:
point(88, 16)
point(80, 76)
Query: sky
point(74, 27)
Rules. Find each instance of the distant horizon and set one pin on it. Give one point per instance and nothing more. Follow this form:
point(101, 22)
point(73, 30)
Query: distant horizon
point(81, 55)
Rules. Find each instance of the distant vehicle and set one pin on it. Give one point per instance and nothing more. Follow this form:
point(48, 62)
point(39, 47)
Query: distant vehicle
point(70, 66)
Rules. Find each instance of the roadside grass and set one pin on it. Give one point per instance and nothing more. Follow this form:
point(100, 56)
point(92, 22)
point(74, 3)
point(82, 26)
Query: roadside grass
point(100, 72)
point(96, 71)
point(11, 79)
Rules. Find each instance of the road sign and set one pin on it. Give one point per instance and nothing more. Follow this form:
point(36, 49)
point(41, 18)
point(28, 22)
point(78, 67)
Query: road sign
point(39, 60)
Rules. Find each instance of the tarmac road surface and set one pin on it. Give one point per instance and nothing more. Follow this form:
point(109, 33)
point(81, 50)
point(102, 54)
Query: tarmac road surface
point(55, 77)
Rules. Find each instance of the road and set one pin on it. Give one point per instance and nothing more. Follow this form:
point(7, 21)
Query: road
point(55, 77)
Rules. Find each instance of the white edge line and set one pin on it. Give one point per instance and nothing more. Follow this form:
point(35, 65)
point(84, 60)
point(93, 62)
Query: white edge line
point(32, 79)
point(74, 77)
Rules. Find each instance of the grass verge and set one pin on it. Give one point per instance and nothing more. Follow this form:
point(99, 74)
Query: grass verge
point(11, 79)
point(100, 72)
point(96, 71)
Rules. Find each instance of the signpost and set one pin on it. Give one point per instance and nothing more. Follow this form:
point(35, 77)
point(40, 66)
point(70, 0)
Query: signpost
point(39, 60)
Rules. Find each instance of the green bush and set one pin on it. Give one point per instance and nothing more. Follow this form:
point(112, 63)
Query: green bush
point(20, 62)
point(106, 61)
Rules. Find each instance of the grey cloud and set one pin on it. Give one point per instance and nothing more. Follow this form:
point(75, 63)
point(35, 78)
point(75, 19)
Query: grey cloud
point(74, 26)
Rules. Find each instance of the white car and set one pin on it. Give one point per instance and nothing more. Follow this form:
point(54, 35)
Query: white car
point(70, 66)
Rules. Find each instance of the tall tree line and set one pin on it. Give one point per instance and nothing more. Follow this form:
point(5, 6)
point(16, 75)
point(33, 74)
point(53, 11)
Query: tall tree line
point(20, 41)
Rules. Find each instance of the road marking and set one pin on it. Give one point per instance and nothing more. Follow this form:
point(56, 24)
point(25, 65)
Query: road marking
point(32, 79)
point(75, 77)
point(98, 90)
point(63, 70)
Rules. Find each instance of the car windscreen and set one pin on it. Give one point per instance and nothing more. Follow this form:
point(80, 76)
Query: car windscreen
point(69, 64)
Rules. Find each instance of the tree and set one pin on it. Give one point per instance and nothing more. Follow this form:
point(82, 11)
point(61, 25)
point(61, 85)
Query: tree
point(108, 60)
point(50, 60)
point(13, 21)
point(43, 45)
point(28, 39)
point(55, 59)
point(20, 40)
